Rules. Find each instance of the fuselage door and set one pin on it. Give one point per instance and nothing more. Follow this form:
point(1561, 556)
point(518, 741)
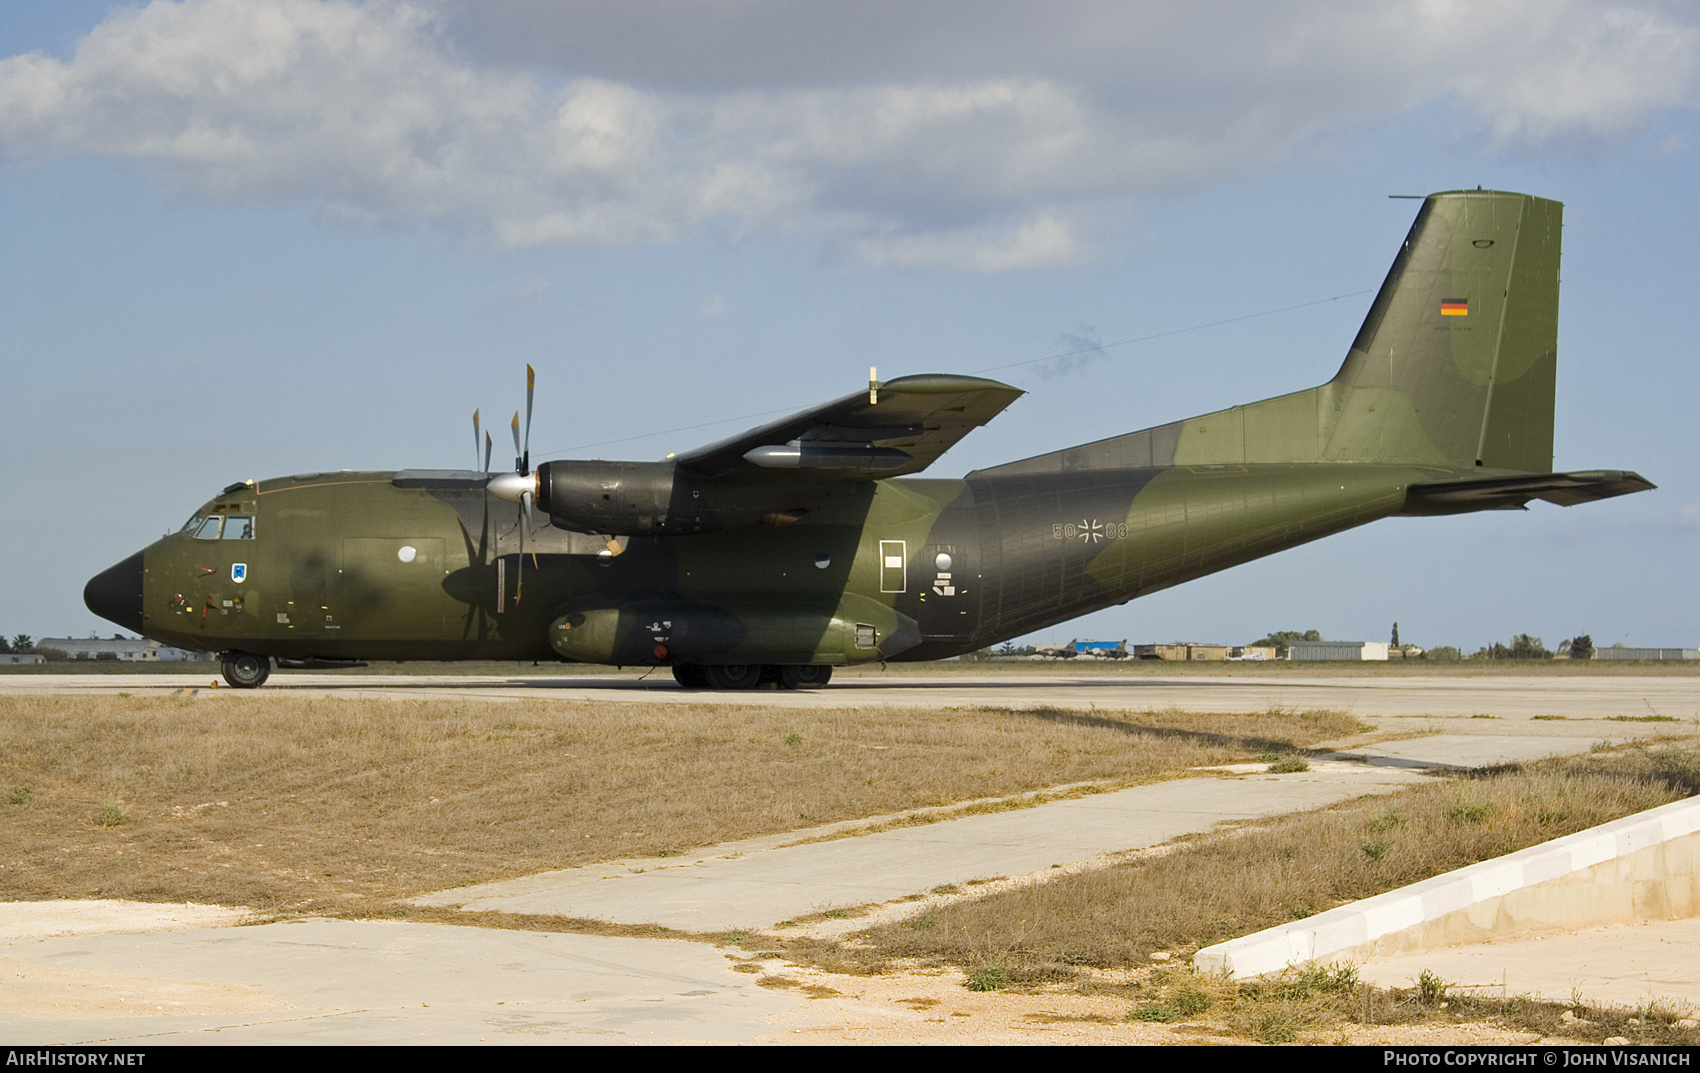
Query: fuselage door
point(392, 588)
point(217, 585)
point(894, 566)
point(948, 596)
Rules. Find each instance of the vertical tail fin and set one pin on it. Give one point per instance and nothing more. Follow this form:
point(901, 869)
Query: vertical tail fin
point(1455, 363)
point(1453, 367)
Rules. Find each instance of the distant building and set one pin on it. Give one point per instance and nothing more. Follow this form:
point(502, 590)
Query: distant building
point(14, 658)
point(1646, 653)
point(1349, 651)
point(1189, 652)
point(122, 649)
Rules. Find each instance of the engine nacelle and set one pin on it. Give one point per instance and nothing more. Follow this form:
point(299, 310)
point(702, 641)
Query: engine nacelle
point(635, 498)
point(644, 498)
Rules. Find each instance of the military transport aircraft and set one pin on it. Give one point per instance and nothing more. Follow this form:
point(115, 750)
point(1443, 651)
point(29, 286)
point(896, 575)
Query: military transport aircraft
point(804, 544)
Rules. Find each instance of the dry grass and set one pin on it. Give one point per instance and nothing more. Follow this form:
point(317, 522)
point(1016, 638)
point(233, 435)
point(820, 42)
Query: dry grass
point(1236, 883)
point(339, 805)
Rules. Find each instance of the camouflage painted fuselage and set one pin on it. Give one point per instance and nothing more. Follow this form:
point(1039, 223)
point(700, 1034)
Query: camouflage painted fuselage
point(774, 549)
point(326, 576)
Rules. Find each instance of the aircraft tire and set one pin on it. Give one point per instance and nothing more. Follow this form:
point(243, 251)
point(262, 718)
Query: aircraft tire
point(805, 675)
point(690, 676)
point(733, 675)
point(245, 670)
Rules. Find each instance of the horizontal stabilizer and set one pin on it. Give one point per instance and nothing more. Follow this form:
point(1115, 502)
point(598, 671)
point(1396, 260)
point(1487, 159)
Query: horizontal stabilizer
point(1513, 493)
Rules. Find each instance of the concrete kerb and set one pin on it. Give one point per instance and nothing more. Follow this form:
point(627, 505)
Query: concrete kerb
point(1642, 867)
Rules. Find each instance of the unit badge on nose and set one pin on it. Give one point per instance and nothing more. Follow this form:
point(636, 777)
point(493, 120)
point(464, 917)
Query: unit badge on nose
point(239, 572)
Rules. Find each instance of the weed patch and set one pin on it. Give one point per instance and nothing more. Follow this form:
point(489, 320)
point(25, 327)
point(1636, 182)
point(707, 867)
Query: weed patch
point(988, 978)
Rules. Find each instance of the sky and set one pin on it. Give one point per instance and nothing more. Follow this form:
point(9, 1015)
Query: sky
point(249, 238)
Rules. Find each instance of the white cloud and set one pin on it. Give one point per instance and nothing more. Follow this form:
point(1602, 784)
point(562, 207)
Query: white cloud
point(1045, 240)
point(994, 143)
point(1570, 70)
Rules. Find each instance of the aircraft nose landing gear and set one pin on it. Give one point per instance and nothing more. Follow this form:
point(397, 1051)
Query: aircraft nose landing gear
point(244, 670)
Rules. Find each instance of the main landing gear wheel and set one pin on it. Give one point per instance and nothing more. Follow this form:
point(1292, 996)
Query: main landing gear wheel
point(244, 670)
point(733, 675)
point(805, 676)
point(690, 676)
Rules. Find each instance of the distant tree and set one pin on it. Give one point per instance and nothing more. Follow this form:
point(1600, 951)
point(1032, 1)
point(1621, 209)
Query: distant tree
point(1280, 639)
point(1443, 652)
point(5, 646)
point(23, 642)
point(1396, 635)
point(1522, 646)
point(1582, 647)
point(52, 655)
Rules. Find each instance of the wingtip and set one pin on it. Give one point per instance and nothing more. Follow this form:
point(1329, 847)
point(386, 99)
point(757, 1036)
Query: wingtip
point(941, 383)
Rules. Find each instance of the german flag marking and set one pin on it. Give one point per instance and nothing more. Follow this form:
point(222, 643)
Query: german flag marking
point(1454, 307)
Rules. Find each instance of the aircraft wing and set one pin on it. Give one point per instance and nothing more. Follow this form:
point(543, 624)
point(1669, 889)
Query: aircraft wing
point(901, 426)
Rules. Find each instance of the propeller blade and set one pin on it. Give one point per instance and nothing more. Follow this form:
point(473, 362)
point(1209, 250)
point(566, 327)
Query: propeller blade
point(530, 390)
point(524, 539)
point(528, 532)
point(475, 439)
point(489, 445)
point(517, 459)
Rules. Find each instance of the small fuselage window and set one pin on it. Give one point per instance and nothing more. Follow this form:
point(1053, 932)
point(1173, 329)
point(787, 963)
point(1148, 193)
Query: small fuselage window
point(239, 527)
point(209, 528)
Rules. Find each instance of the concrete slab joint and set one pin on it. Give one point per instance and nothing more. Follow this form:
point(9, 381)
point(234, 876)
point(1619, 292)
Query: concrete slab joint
point(1642, 867)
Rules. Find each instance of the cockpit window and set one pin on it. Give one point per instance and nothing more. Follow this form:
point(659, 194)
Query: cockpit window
point(192, 524)
point(209, 528)
point(239, 527)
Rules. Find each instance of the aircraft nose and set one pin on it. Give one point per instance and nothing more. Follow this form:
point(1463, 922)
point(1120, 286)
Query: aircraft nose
point(115, 594)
